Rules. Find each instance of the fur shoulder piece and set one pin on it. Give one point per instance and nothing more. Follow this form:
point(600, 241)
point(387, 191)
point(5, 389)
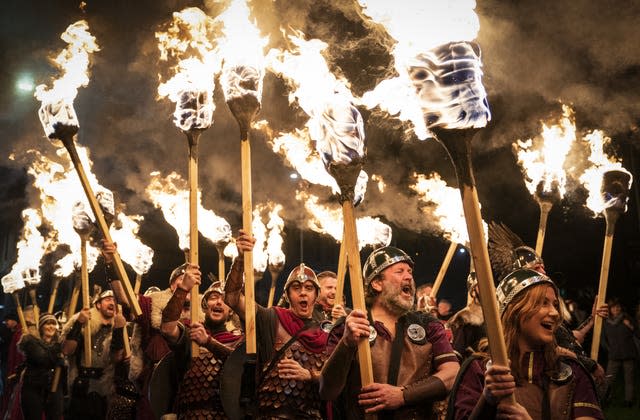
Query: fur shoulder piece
point(158, 301)
point(471, 314)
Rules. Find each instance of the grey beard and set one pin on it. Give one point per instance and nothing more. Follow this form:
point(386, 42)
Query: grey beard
point(395, 305)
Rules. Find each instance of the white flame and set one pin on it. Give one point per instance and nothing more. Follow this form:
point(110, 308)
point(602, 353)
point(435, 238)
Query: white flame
point(138, 255)
point(31, 249)
point(171, 195)
point(73, 62)
point(259, 229)
point(445, 205)
point(188, 40)
point(418, 28)
point(593, 176)
point(326, 220)
point(242, 50)
point(275, 242)
point(231, 250)
point(544, 164)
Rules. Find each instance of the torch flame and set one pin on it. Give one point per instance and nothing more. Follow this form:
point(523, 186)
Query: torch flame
point(242, 49)
point(445, 205)
point(593, 176)
point(544, 166)
point(187, 40)
point(418, 28)
point(57, 103)
point(275, 242)
point(325, 220)
point(138, 255)
point(171, 195)
point(260, 255)
point(31, 249)
point(231, 250)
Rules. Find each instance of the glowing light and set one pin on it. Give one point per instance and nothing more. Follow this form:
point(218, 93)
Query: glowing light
point(543, 165)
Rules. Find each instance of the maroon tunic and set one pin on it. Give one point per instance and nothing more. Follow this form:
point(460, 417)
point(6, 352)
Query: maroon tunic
point(583, 400)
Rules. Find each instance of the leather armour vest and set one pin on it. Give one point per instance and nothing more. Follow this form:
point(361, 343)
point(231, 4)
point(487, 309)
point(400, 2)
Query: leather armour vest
point(284, 398)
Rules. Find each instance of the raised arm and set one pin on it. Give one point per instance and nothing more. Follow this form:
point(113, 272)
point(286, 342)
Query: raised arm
point(233, 295)
point(171, 312)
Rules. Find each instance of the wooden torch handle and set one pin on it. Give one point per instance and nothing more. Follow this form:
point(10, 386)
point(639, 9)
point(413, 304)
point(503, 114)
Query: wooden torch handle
point(54, 294)
point(342, 270)
point(443, 269)
point(247, 220)
point(75, 294)
point(602, 294)
point(193, 136)
point(357, 287)
point(86, 303)
point(21, 318)
point(545, 208)
point(102, 224)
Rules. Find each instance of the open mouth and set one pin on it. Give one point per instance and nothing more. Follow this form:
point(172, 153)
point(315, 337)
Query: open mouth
point(217, 310)
point(547, 325)
point(303, 304)
point(407, 289)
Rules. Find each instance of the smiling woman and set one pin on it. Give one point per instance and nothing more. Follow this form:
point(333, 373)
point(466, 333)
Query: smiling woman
point(541, 379)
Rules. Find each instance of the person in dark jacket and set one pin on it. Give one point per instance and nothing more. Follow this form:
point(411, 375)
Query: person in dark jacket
point(618, 332)
point(42, 355)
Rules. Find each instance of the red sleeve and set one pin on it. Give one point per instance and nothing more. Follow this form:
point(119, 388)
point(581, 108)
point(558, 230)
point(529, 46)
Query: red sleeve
point(442, 350)
point(585, 401)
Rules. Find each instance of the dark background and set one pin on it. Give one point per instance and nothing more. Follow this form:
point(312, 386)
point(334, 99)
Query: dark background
point(536, 54)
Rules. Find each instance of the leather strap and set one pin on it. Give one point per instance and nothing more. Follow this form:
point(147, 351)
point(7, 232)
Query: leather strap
point(278, 355)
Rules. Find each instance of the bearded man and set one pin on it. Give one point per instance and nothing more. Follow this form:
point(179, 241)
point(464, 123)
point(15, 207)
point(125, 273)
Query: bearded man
point(413, 362)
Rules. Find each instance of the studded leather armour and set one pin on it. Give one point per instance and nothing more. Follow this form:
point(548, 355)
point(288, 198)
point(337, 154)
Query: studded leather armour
point(198, 396)
point(288, 398)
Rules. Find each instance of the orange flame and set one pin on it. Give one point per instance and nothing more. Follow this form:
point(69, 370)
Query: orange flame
point(544, 164)
point(275, 242)
point(593, 176)
point(171, 195)
point(326, 220)
point(445, 205)
point(73, 62)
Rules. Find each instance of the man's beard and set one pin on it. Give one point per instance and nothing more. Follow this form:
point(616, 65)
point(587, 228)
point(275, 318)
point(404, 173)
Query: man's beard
point(390, 299)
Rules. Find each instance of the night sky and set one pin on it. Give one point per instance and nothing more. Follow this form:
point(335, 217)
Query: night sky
point(536, 55)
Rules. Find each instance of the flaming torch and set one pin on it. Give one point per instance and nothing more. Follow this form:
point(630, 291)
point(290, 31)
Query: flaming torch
point(138, 255)
point(60, 122)
point(608, 184)
point(448, 83)
point(192, 91)
point(13, 284)
point(241, 80)
point(343, 150)
point(545, 175)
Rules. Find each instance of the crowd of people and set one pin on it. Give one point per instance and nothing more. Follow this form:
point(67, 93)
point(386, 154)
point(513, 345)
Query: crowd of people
point(426, 362)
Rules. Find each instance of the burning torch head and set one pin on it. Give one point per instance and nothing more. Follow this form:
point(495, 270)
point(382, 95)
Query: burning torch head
point(448, 82)
point(341, 143)
point(242, 86)
point(301, 274)
point(81, 221)
point(31, 276)
point(59, 120)
point(615, 189)
point(12, 283)
point(107, 204)
point(518, 281)
point(552, 196)
point(194, 111)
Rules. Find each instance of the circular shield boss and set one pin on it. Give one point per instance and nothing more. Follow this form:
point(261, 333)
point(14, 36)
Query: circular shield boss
point(416, 333)
point(373, 334)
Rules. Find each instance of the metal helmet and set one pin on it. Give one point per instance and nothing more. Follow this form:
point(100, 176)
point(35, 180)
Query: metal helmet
point(516, 282)
point(382, 258)
point(301, 273)
point(178, 271)
point(216, 287)
point(152, 289)
point(526, 257)
point(105, 294)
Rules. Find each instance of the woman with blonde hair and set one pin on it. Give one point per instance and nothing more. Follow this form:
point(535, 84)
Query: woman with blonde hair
point(546, 383)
